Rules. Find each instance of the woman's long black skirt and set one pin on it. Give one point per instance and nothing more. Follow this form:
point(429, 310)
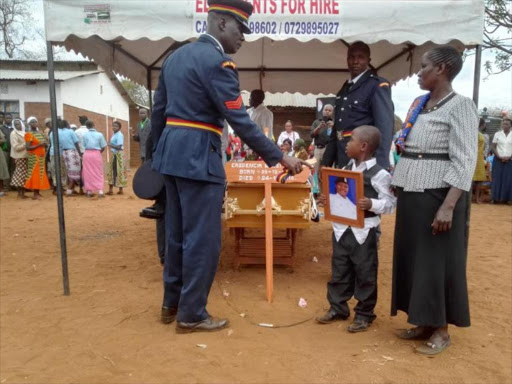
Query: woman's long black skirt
point(429, 271)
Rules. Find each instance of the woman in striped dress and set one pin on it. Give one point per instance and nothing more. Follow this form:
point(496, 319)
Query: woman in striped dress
point(433, 177)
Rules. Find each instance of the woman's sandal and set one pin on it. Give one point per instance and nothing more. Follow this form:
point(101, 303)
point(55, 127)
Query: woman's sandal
point(417, 333)
point(432, 349)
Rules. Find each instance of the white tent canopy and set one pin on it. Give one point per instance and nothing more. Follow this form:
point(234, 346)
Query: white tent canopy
point(298, 45)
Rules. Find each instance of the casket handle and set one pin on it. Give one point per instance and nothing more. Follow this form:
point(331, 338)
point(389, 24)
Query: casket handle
point(232, 208)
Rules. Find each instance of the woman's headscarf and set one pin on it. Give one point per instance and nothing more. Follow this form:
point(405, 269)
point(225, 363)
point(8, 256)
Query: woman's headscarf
point(299, 143)
point(32, 118)
point(22, 132)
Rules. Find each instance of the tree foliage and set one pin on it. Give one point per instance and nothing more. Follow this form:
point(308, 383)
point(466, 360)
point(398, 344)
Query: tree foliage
point(20, 35)
point(498, 35)
point(14, 17)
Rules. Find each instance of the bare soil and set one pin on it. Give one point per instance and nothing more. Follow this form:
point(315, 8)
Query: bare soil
point(108, 330)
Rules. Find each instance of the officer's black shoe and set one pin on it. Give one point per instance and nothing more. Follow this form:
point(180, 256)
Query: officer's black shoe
point(331, 316)
point(210, 324)
point(358, 325)
point(151, 213)
point(168, 315)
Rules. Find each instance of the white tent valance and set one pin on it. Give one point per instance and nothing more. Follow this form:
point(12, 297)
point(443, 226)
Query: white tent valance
point(298, 45)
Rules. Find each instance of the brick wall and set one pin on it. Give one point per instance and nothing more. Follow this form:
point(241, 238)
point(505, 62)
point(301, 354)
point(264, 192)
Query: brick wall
point(100, 122)
point(134, 145)
point(39, 110)
point(302, 119)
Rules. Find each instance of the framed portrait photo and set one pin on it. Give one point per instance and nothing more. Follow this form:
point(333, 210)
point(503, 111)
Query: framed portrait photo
point(342, 190)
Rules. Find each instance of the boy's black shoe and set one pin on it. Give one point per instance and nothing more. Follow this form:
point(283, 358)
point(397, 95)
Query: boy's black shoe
point(358, 325)
point(330, 316)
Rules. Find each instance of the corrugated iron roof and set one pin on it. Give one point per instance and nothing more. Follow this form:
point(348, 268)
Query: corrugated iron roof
point(14, 74)
point(287, 99)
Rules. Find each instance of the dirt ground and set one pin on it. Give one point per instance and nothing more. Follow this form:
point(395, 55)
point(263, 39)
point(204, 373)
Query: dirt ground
point(108, 330)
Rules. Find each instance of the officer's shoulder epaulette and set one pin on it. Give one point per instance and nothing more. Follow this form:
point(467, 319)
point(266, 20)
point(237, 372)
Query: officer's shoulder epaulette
point(228, 64)
point(382, 82)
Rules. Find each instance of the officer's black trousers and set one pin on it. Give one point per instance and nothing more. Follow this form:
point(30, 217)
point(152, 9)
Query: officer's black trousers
point(193, 230)
point(160, 229)
point(354, 273)
point(160, 238)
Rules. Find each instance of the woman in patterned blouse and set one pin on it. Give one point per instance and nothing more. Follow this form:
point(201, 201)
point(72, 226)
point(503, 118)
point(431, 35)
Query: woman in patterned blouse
point(433, 177)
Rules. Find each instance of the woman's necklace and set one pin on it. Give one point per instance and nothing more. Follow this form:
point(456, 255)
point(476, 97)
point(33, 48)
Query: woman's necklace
point(440, 101)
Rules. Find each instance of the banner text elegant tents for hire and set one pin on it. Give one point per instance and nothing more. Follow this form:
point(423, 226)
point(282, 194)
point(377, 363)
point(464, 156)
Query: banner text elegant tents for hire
point(297, 45)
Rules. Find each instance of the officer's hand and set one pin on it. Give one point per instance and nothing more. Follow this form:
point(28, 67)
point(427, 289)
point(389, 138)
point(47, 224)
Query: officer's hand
point(330, 123)
point(321, 199)
point(293, 164)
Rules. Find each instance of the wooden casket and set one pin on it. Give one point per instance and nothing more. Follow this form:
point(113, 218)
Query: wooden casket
point(245, 204)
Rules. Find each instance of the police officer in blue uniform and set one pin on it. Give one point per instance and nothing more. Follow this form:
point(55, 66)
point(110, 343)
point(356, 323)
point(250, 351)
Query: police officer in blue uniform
point(198, 89)
point(364, 100)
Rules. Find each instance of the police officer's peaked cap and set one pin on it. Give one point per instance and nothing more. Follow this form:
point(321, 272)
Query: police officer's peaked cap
point(239, 9)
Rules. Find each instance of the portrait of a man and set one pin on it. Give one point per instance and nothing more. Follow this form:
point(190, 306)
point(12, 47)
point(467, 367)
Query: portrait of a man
point(340, 201)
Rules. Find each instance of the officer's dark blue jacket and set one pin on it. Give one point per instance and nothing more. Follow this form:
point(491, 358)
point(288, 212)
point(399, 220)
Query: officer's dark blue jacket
point(199, 84)
point(367, 102)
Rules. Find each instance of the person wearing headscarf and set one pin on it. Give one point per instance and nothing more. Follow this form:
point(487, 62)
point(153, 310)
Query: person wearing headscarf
point(20, 156)
point(299, 149)
point(439, 147)
point(36, 147)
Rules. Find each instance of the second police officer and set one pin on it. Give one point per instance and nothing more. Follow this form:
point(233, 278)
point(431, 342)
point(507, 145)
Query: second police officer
point(364, 100)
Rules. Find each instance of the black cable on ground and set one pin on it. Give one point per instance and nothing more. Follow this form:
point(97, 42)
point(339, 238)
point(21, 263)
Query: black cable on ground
point(263, 325)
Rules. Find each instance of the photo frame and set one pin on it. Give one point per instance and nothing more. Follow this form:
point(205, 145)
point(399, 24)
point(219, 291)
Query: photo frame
point(342, 189)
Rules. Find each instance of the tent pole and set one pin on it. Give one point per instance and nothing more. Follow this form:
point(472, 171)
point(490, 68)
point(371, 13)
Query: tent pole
point(476, 91)
point(476, 78)
point(149, 90)
point(60, 202)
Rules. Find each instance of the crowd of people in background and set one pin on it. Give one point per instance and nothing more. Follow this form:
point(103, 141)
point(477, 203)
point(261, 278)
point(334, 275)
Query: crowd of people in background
point(29, 157)
point(29, 160)
point(492, 181)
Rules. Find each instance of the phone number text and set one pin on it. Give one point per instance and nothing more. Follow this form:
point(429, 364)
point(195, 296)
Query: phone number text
point(287, 27)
